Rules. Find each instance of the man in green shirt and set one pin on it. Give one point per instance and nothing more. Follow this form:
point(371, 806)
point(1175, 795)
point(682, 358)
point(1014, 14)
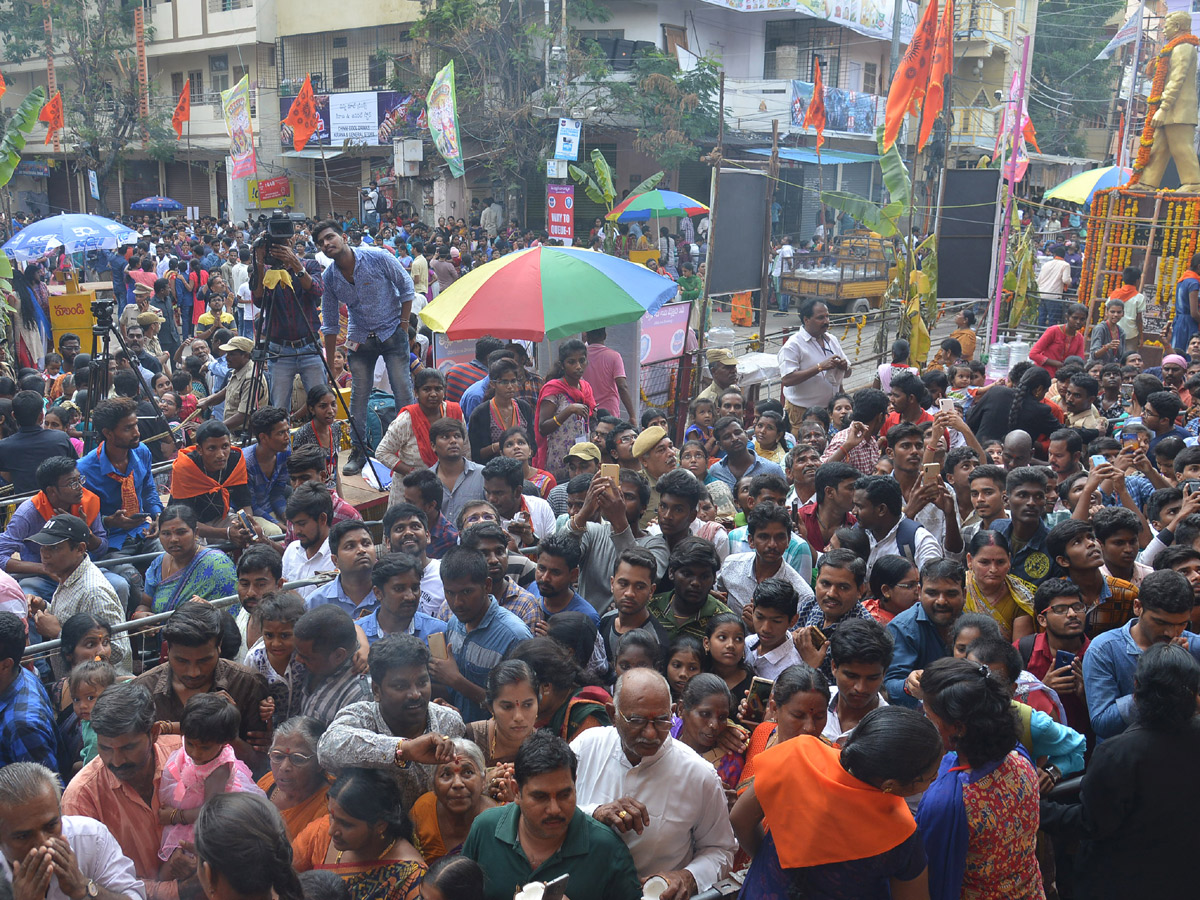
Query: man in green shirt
point(692, 570)
point(544, 836)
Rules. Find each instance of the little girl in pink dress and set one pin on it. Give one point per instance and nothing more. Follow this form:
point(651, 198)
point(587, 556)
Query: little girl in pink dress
point(206, 766)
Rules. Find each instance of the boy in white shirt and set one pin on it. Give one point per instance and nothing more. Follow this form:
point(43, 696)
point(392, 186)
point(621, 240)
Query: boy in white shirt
point(771, 649)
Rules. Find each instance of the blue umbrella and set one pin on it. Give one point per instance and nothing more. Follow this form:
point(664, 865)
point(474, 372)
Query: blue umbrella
point(156, 203)
point(76, 232)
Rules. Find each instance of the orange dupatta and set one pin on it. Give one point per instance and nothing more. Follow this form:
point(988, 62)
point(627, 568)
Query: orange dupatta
point(87, 509)
point(822, 814)
point(189, 480)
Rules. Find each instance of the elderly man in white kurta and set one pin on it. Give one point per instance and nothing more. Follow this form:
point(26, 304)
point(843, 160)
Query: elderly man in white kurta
point(659, 794)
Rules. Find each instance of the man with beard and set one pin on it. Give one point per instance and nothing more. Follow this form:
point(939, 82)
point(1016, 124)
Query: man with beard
point(545, 824)
point(921, 632)
point(353, 551)
point(1064, 453)
point(309, 512)
point(1026, 488)
point(1161, 616)
point(632, 771)
point(192, 636)
point(398, 730)
point(406, 530)
point(119, 788)
point(879, 509)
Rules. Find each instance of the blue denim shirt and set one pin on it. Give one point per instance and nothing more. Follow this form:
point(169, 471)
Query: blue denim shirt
point(268, 496)
point(1108, 669)
point(918, 643)
point(97, 472)
point(380, 290)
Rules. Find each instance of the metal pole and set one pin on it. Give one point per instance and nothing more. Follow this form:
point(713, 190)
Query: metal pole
point(1006, 225)
point(894, 57)
point(716, 158)
point(764, 289)
point(1133, 82)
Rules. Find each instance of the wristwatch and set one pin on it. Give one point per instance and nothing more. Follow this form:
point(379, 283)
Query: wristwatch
point(92, 889)
point(1054, 772)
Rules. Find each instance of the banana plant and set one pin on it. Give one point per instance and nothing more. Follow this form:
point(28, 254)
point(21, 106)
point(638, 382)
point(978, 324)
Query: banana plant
point(601, 190)
point(883, 220)
point(1022, 277)
point(15, 134)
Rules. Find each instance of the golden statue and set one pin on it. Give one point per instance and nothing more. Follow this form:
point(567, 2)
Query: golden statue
point(1171, 117)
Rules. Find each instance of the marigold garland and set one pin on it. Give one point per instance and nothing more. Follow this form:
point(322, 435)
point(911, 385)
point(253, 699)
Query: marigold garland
point(1162, 64)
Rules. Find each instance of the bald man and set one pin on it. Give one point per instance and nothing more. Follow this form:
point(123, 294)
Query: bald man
point(633, 773)
point(1017, 450)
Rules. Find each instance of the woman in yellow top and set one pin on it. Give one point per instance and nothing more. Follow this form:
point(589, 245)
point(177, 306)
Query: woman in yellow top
point(991, 590)
point(442, 817)
point(366, 839)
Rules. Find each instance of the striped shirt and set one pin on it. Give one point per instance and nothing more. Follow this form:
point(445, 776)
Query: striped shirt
point(479, 651)
point(336, 692)
point(461, 376)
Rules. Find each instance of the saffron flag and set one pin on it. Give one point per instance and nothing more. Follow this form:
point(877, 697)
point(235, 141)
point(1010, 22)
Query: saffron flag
point(183, 109)
point(911, 78)
point(815, 114)
point(302, 115)
point(52, 115)
point(3, 86)
point(943, 62)
point(1030, 134)
point(443, 119)
point(235, 103)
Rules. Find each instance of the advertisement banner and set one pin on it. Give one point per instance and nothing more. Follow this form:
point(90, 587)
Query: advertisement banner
point(274, 188)
point(560, 212)
point(664, 333)
point(566, 146)
point(93, 184)
point(852, 112)
point(443, 119)
point(235, 104)
point(371, 118)
point(872, 18)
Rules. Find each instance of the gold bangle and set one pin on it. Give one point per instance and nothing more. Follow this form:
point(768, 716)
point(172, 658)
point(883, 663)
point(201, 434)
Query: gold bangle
point(399, 755)
point(556, 422)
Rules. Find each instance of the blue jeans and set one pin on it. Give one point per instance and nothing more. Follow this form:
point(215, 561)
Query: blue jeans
point(362, 372)
point(288, 362)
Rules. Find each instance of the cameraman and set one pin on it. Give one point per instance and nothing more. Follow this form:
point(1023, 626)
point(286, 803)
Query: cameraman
point(290, 314)
point(370, 197)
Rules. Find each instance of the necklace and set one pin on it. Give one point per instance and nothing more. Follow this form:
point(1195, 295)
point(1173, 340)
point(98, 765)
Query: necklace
point(386, 851)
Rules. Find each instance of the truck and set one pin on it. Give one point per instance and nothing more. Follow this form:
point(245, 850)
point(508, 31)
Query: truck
point(852, 277)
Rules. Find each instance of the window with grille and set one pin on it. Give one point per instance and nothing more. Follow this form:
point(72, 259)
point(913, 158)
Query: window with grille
point(341, 73)
point(377, 70)
point(196, 86)
point(176, 84)
point(792, 44)
point(870, 78)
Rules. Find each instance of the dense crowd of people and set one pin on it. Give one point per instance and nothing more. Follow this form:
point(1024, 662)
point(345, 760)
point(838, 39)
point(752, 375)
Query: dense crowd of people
point(930, 639)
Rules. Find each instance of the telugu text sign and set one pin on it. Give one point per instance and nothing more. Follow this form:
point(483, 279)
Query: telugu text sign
point(560, 212)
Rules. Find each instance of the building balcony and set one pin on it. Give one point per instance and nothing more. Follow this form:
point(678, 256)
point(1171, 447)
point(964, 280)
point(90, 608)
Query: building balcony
point(982, 28)
point(975, 126)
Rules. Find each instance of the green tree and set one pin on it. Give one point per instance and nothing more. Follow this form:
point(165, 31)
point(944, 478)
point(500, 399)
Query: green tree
point(1069, 86)
point(97, 76)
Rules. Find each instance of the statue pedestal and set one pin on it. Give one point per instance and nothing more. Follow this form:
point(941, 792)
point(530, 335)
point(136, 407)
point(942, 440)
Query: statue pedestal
point(1157, 232)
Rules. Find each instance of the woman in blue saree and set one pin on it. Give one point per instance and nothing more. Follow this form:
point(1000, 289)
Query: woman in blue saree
point(185, 569)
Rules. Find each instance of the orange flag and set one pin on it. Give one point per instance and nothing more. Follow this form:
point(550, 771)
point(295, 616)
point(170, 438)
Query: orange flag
point(1030, 134)
point(302, 117)
point(52, 115)
point(3, 86)
point(183, 109)
point(943, 63)
point(815, 114)
point(911, 78)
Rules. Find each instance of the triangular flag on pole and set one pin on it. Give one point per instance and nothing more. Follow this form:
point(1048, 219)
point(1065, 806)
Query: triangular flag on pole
point(1030, 134)
point(52, 115)
point(911, 77)
point(3, 86)
point(302, 115)
point(943, 62)
point(183, 109)
point(1127, 34)
point(815, 114)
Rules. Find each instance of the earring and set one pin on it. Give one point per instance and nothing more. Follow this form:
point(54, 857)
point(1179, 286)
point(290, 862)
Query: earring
point(887, 790)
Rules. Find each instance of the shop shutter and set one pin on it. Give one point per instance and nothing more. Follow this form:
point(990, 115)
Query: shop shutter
point(196, 194)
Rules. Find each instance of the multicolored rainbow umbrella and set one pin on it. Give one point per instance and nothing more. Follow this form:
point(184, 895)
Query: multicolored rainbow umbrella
point(664, 204)
point(546, 293)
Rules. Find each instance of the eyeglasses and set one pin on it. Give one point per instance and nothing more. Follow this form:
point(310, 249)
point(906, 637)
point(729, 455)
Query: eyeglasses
point(1078, 608)
point(74, 483)
point(662, 723)
point(296, 759)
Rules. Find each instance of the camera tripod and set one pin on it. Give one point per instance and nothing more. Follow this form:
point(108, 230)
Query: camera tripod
point(99, 381)
point(261, 355)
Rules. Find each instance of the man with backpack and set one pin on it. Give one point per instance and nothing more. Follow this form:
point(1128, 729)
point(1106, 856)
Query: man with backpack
point(879, 509)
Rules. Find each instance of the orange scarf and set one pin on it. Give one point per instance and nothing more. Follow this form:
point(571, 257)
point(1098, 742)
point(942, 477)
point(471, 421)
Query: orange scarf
point(1124, 292)
point(87, 509)
point(1186, 275)
point(131, 503)
point(189, 480)
point(829, 815)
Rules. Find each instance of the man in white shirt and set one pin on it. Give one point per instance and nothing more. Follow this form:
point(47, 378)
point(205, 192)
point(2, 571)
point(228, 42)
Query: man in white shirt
point(1053, 278)
point(526, 517)
point(879, 508)
point(662, 797)
point(406, 530)
point(310, 512)
point(60, 857)
point(811, 364)
point(783, 264)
